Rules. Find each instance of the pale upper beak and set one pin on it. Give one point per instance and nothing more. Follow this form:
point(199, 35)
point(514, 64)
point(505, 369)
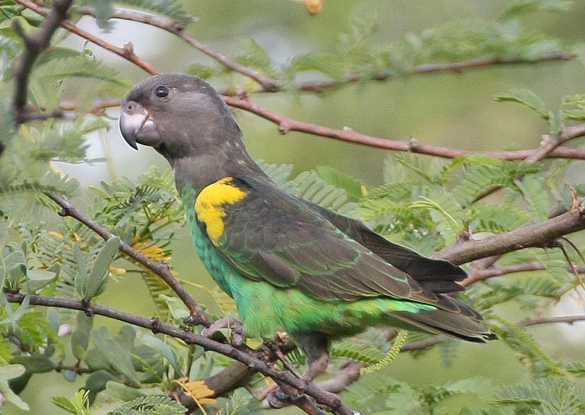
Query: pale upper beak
point(137, 126)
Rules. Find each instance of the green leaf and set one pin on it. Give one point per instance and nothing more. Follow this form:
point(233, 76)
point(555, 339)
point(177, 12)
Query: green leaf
point(329, 64)
point(11, 372)
point(169, 8)
point(202, 71)
point(555, 121)
point(99, 275)
point(96, 382)
point(35, 364)
point(547, 396)
point(118, 357)
point(103, 11)
point(163, 349)
point(527, 6)
point(82, 274)
point(255, 56)
point(351, 185)
point(152, 405)
point(38, 279)
point(123, 392)
point(357, 352)
point(527, 98)
point(311, 187)
point(81, 336)
point(536, 197)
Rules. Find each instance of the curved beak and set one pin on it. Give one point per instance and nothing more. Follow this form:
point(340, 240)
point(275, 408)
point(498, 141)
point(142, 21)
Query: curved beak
point(137, 126)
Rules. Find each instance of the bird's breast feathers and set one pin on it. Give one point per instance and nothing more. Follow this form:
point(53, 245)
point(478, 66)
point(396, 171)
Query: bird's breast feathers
point(209, 205)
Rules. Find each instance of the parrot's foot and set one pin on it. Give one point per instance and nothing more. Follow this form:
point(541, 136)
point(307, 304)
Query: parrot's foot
point(227, 328)
point(279, 399)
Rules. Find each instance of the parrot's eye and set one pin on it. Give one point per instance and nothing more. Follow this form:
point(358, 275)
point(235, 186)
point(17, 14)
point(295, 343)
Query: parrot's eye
point(162, 91)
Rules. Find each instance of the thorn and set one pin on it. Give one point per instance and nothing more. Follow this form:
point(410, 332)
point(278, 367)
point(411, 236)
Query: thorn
point(128, 49)
point(155, 322)
point(574, 196)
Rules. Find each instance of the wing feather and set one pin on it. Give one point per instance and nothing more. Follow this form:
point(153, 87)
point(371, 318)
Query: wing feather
point(272, 236)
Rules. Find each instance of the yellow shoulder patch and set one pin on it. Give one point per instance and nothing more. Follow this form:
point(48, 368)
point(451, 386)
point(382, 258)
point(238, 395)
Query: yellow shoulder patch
point(210, 202)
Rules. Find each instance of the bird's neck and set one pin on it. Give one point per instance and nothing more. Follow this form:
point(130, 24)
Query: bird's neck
point(195, 172)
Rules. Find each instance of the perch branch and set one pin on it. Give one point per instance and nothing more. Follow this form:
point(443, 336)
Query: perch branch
point(156, 326)
point(537, 235)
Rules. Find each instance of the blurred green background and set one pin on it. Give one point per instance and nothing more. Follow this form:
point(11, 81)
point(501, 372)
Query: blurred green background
point(446, 109)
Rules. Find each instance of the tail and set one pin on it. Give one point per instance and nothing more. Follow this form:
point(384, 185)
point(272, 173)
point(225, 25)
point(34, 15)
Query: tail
point(447, 323)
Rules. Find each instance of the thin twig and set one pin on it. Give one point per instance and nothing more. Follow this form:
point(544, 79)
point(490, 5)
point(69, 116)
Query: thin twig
point(550, 142)
point(273, 85)
point(481, 274)
point(527, 322)
point(161, 268)
point(459, 67)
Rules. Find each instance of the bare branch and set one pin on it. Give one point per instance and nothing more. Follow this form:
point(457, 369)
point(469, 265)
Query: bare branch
point(550, 142)
point(481, 274)
point(550, 320)
point(537, 235)
point(347, 134)
point(161, 268)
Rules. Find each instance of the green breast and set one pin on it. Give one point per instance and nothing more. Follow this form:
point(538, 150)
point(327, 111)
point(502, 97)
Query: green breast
point(265, 308)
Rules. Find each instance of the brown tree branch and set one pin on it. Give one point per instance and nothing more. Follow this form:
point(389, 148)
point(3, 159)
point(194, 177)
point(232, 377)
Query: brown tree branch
point(550, 142)
point(459, 67)
point(126, 52)
point(527, 322)
point(537, 235)
point(347, 134)
point(161, 268)
point(178, 29)
point(156, 326)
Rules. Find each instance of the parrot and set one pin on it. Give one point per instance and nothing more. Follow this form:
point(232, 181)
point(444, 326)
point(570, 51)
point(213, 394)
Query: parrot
point(289, 264)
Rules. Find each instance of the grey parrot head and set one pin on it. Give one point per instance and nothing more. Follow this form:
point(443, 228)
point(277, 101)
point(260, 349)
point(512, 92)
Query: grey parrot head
point(178, 115)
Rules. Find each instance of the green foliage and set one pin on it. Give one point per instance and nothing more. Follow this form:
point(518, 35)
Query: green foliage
point(424, 204)
point(529, 99)
point(105, 8)
point(530, 352)
point(546, 396)
point(150, 405)
point(357, 352)
point(78, 405)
